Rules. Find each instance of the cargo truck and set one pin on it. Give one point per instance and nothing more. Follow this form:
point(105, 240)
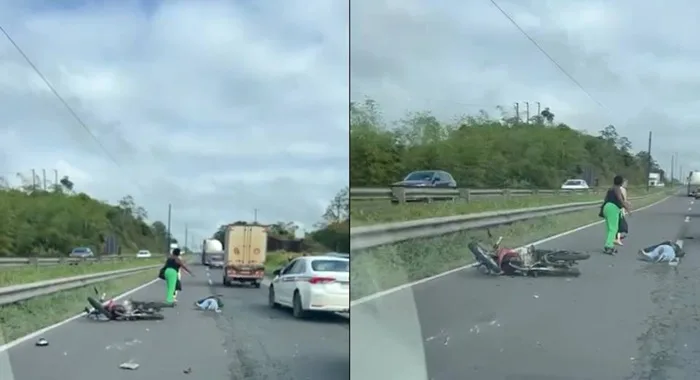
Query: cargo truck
point(694, 184)
point(246, 249)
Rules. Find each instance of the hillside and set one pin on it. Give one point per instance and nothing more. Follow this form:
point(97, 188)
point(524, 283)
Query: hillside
point(50, 223)
point(486, 152)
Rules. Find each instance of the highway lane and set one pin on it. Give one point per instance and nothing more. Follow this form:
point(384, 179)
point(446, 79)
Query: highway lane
point(271, 344)
point(617, 321)
point(245, 341)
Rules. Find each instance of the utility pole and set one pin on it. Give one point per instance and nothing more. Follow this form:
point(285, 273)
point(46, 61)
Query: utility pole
point(55, 178)
point(539, 108)
point(527, 112)
point(187, 235)
point(517, 111)
point(43, 174)
point(648, 160)
point(33, 179)
point(673, 166)
point(167, 234)
point(256, 215)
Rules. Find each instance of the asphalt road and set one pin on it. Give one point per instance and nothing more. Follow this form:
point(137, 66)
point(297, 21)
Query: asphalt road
point(622, 319)
point(247, 341)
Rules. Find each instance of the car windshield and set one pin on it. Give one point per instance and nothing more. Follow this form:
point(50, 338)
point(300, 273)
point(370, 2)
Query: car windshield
point(419, 176)
point(572, 183)
point(82, 250)
point(216, 257)
point(144, 252)
point(330, 265)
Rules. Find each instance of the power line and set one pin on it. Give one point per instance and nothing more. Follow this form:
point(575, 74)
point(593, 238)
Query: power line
point(544, 52)
point(58, 96)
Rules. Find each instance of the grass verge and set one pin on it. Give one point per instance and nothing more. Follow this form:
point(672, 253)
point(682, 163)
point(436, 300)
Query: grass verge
point(375, 212)
point(22, 318)
point(30, 273)
point(382, 268)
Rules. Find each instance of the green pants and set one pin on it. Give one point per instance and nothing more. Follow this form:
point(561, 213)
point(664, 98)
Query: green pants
point(611, 213)
point(170, 284)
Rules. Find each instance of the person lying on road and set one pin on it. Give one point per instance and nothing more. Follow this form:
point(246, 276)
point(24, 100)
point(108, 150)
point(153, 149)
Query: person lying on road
point(209, 303)
point(666, 251)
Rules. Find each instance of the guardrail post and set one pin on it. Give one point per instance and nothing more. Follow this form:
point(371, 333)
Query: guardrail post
point(465, 194)
point(34, 261)
point(535, 192)
point(399, 194)
point(506, 193)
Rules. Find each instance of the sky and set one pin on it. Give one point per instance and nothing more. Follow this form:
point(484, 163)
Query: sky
point(216, 107)
point(637, 60)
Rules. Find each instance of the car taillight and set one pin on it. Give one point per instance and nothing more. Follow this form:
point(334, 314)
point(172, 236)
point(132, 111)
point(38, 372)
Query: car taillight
point(321, 280)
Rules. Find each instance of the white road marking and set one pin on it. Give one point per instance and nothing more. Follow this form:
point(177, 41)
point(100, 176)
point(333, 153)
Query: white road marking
point(210, 282)
point(411, 284)
point(687, 219)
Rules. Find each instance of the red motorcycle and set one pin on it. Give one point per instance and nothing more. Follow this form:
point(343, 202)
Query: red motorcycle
point(528, 261)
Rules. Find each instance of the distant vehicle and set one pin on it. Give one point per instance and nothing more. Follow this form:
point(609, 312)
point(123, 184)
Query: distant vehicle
point(427, 178)
point(216, 260)
point(693, 184)
point(210, 246)
point(173, 246)
point(312, 284)
point(575, 184)
point(81, 252)
point(246, 250)
point(143, 254)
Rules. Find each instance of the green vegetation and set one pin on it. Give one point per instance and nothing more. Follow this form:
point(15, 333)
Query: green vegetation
point(22, 318)
point(332, 233)
point(36, 222)
point(485, 152)
point(374, 212)
point(385, 267)
point(30, 273)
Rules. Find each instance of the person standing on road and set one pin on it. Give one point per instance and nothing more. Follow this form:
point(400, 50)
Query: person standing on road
point(623, 228)
point(170, 274)
point(613, 204)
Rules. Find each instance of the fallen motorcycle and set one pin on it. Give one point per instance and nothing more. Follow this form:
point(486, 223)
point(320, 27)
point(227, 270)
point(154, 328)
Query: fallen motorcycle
point(528, 261)
point(128, 310)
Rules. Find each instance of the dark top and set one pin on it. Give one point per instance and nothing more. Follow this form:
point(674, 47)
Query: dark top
point(611, 197)
point(172, 263)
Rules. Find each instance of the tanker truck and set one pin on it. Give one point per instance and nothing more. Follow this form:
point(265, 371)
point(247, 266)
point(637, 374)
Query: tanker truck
point(212, 253)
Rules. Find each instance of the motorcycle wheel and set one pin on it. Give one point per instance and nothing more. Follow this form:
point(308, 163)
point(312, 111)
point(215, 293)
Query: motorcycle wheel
point(483, 257)
point(97, 305)
point(566, 256)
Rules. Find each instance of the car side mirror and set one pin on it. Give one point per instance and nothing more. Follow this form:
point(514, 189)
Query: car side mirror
point(277, 272)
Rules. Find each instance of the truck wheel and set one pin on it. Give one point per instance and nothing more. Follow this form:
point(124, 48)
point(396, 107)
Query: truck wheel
point(298, 310)
point(225, 282)
point(256, 284)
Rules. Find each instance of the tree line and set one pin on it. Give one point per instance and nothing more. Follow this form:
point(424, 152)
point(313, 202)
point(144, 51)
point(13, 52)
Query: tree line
point(332, 233)
point(482, 151)
point(35, 221)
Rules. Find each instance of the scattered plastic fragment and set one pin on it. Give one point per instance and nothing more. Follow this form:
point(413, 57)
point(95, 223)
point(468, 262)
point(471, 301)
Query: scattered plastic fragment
point(187, 371)
point(42, 342)
point(129, 365)
point(536, 296)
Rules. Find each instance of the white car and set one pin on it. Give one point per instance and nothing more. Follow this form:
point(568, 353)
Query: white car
point(143, 254)
point(312, 284)
point(575, 184)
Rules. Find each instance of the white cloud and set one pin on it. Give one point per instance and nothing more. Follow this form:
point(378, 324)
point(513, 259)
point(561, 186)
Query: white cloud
point(453, 57)
point(217, 107)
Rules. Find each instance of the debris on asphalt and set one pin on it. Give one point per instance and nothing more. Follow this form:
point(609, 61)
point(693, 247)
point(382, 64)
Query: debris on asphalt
point(535, 296)
point(42, 342)
point(129, 365)
point(187, 371)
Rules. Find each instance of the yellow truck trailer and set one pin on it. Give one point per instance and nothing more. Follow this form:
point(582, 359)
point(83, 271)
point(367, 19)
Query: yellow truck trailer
point(246, 250)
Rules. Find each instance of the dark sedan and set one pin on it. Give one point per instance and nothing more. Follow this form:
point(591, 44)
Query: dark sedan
point(427, 178)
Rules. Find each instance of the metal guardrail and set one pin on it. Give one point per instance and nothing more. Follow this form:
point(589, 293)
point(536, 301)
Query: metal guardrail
point(391, 233)
point(45, 261)
point(430, 194)
point(17, 293)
